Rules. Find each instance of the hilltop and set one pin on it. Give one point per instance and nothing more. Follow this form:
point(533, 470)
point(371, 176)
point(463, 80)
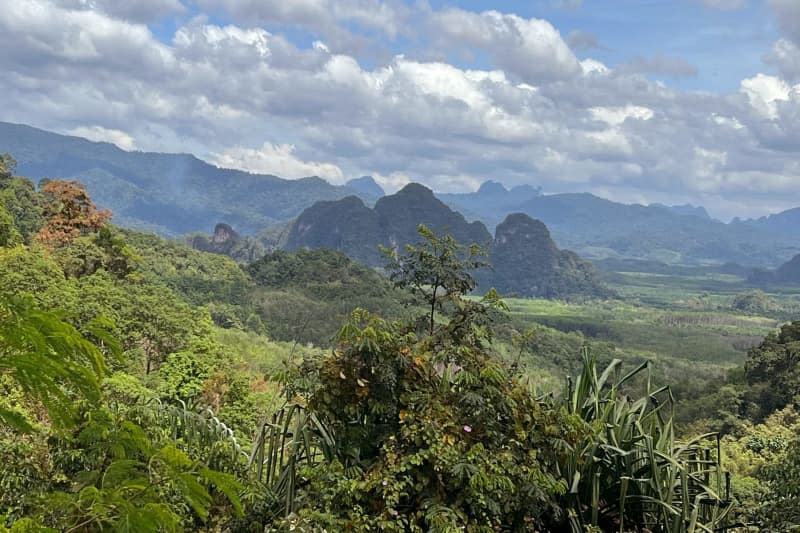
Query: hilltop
point(351, 227)
point(527, 262)
point(169, 194)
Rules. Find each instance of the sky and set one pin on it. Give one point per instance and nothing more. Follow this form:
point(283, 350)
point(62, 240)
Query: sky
point(682, 101)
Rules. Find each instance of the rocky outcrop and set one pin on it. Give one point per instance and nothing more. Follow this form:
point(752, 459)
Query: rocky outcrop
point(526, 262)
point(353, 228)
point(226, 241)
point(346, 225)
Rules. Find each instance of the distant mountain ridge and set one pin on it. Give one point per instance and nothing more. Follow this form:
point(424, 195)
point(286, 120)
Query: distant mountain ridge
point(491, 202)
point(787, 274)
point(170, 194)
point(367, 187)
point(175, 194)
point(350, 226)
point(525, 260)
point(598, 228)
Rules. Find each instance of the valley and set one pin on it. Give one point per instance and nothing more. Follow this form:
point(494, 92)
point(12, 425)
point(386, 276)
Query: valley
point(213, 343)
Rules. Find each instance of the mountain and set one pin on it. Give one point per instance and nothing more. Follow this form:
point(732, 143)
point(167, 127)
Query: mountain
point(786, 222)
point(176, 194)
point(491, 202)
point(528, 263)
point(353, 228)
point(597, 228)
point(346, 225)
point(787, 274)
point(688, 210)
point(170, 194)
point(366, 187)
point(226, 241)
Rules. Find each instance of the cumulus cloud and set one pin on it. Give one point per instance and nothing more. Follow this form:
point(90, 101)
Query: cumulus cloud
point(531, 49)
point(100, 134)
point(786, 56)
point(787, 14)
point(765, 92)
point(134, 10)
point(327, 19)
point(278, 160)
point(530, 112)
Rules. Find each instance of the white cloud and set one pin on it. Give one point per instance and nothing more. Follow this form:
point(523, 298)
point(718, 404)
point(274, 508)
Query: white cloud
point(323, 18)
point(133, 10)
point(100, 134)
point(787, 13)
point(592, 66)
point(786, 56)
point(615, 116)
point(276, 159)
point(530, 113)
point(764, 92)
point(392, 182)
point(531, 49)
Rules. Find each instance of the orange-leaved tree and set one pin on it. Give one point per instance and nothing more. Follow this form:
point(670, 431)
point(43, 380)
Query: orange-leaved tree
point(70, 213)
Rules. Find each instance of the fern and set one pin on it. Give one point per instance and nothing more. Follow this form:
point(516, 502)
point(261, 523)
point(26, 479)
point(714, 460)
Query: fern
point(50, 360)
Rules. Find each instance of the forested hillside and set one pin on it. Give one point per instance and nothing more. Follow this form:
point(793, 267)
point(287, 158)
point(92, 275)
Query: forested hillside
point(149, 387)
point(526, 262)
point(170, 194)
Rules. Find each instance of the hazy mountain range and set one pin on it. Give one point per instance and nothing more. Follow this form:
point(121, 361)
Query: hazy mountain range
point(174, 194)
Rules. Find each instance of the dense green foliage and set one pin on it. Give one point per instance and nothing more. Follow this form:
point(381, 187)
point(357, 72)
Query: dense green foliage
point(305, 295)
point(773, 368)
point(146, 386)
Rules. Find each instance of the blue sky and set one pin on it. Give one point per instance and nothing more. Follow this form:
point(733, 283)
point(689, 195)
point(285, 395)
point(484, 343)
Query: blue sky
point(639, 101)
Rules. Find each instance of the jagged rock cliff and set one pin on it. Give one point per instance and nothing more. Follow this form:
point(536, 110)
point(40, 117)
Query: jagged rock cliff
point(527, 262)
point(353, 228)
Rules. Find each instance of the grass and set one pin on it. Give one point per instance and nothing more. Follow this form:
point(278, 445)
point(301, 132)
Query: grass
point(684, 325)
point(717, 336)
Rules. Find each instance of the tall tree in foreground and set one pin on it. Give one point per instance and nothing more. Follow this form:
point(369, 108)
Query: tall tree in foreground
point(439, 270)
point(70, 213)
point(432, 433)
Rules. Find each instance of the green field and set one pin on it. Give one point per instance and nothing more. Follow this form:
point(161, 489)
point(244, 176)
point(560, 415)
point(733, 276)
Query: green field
point(685, 326)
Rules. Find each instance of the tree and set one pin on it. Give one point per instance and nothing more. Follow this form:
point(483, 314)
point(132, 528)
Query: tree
point(9, 235)
point(7, 166)
point(23, 203)
point(773, 369)
point(755, 302)
point(70, 213)
point(781, 510)
point(437, 271)
point(46, 357)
